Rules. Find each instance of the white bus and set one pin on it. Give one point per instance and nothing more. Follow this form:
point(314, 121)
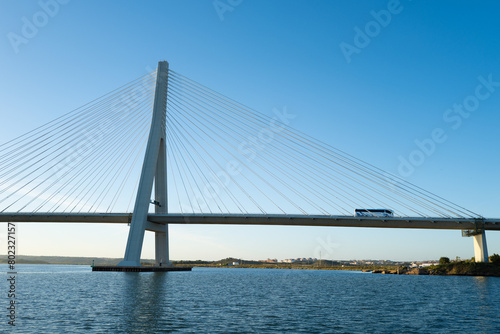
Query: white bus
point(373, 213)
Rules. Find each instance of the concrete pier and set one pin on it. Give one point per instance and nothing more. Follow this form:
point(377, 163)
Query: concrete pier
point(139, 269)
point(480, 247)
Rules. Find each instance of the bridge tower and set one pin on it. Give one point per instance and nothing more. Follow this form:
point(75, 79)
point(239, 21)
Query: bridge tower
point(153, 170)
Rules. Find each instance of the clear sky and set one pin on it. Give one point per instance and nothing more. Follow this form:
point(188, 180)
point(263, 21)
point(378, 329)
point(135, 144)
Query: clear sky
point(373, 78)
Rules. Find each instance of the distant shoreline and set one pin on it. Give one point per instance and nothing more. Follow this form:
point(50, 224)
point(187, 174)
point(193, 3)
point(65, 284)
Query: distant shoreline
point(458, 268)
point(227, 263)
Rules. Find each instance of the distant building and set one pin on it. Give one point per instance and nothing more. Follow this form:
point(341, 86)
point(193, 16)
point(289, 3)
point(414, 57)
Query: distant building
point(236, 263)
point(426, 264)
point(288, 261)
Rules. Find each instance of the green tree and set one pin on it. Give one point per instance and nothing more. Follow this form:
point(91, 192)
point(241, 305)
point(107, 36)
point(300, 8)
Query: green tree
point(495, 259)
point(444, 260)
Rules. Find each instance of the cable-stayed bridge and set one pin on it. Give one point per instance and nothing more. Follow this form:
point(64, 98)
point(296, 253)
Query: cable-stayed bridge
point(110, 161)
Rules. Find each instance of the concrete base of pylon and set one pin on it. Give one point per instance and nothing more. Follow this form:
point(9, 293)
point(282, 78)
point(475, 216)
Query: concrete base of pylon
point(139, 269)
point(129, 264)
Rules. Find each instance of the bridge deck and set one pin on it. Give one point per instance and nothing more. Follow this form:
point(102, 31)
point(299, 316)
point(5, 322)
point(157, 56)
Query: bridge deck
point(256, 219)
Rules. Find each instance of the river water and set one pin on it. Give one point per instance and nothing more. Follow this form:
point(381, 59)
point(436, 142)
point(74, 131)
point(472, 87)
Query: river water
point(72, 299)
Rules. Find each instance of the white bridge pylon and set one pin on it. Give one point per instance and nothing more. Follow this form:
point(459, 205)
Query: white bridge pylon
point(153, 170)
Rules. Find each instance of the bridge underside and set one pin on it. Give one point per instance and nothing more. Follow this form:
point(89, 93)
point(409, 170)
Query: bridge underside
point(157, 220)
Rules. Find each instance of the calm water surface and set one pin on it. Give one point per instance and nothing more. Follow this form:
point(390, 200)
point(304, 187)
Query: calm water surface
point(72, 299)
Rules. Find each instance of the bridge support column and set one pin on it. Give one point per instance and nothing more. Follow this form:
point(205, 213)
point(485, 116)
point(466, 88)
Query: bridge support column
point(161, 238)
point(153, 170)
point(480, 248)
point(161, 249)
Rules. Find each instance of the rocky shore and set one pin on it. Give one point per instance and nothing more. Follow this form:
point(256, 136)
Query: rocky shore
point(461, 268)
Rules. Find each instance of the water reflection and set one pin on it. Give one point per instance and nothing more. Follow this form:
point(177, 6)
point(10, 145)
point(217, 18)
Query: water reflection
point(484, 295)
point(144, 300)
point(481, 281)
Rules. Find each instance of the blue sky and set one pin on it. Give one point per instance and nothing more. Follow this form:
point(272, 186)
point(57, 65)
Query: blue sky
point(376, 103)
